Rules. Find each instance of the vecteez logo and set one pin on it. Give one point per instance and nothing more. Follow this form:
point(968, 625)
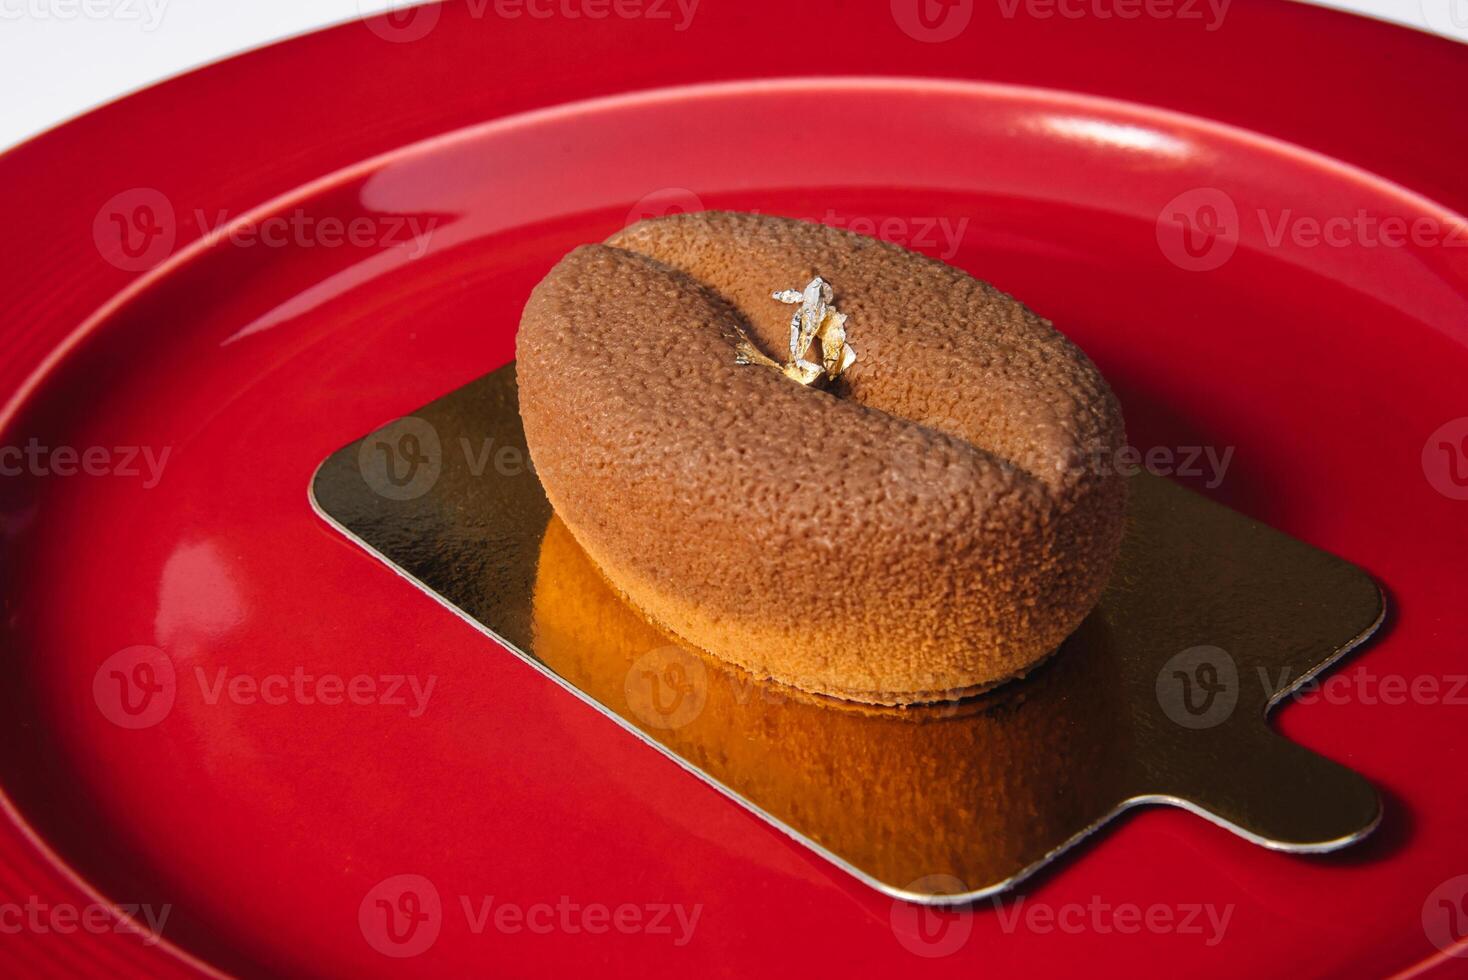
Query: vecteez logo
point(1445, 459)
point(135, 688)
point(1445, 916)
point(412, 20)
point(401, 916)
point(1449, 17)
point(917, 472)
point(667, 687)
point(136, 229)
point(932, 931)
point(1199, 687)
point(41, 918)
point(663, 202)
point(1208, 13)
point(402, 460)
point(148, 14)
point(403, 22)
point(1199, 229)
point(932, 21)
point(678, 13)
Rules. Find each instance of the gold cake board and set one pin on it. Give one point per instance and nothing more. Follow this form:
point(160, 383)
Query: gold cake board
point(1159, 697)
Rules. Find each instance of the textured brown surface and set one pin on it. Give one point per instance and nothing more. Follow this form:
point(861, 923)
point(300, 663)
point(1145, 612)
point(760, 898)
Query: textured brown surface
point(937, 523)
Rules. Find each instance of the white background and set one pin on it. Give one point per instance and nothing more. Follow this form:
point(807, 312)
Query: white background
point(61, 57)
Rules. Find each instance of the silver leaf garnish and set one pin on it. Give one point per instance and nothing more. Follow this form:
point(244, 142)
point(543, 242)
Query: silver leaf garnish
point(816, 319)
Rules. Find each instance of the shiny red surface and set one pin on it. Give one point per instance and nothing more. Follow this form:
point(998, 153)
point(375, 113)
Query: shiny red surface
point(266, 828)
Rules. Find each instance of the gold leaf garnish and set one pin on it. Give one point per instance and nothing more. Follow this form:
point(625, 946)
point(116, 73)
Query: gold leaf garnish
point(816, 319)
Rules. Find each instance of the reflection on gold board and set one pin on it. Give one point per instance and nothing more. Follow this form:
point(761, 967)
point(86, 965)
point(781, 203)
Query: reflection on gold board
point(1159, 696)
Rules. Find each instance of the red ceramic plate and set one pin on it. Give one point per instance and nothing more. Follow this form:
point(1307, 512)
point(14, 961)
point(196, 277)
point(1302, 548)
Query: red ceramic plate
point(217, 710)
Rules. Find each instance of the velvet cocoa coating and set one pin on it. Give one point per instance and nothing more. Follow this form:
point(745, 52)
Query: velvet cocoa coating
point(935, 522)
